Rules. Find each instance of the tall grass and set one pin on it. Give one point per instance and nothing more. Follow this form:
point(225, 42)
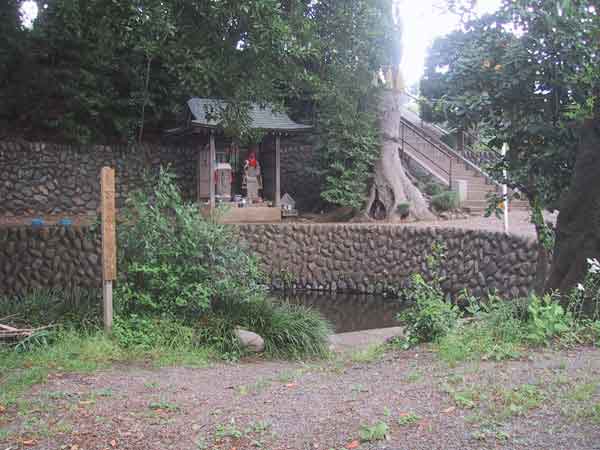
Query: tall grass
point(289, 331)
point(77, 307)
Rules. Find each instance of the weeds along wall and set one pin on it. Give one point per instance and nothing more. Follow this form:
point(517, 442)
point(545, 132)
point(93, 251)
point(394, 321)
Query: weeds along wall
point(49, 179)
point(342, 258)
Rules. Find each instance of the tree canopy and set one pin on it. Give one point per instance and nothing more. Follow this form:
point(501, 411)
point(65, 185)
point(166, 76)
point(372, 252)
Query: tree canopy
point(527, 72)
point(530, 73)
point(102, 71)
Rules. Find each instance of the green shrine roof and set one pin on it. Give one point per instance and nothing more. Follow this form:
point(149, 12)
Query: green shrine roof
point(262, 117)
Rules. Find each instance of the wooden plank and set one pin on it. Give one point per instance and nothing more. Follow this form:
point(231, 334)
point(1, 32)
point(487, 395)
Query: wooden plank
point(277, 199)
point(211, 168)
point(109, 234)
point(109, 242)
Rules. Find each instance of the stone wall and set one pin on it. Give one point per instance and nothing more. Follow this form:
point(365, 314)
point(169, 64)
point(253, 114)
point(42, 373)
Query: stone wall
point(39, 179)
point(48, 257)
point(299, 161)
point(48, 179)
point(376, 258)
point(336, 257)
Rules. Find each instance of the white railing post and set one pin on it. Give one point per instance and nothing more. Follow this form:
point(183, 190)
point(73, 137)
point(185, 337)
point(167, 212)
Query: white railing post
point(505, 189)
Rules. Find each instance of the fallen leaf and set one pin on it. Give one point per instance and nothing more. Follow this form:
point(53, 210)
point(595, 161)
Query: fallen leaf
point(74, 447)
point(113, 443)
point(449, 410)
point(86, 402)
point(291, 385)
point(353, 444)
point(29, 443)
point(2, 409)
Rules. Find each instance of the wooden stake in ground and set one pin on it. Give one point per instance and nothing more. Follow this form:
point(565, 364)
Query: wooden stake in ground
point(109, 243)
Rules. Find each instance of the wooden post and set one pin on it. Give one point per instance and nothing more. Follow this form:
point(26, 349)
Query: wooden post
point(460, 140)
point(211, 168)
point(277, 198)
point(199, 175)
point(109, 243)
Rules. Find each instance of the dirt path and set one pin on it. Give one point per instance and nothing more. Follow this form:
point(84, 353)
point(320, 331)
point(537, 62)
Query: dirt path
point(549, 401)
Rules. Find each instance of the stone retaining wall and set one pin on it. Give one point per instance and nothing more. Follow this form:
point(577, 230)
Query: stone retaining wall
point(40, 179)
point(376, 258)
point(343, 258)
point(49, 179)
point(48, 257)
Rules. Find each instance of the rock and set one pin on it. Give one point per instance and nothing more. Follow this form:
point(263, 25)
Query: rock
point(249, 340)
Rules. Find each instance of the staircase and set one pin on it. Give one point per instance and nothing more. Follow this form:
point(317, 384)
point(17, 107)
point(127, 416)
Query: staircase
point(421, 143)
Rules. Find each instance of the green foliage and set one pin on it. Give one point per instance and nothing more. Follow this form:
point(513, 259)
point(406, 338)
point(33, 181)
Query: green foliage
point(485, 76)
point(289, 331)
point(547, 320)
point(404, 210)
point(70, 307)
point(430, 316)
point(433, 189)
point(173, 262)
point(494, 331)
point(350, 148)
point(373, 433)
point(147, 333)
point(408, 419)
point(445, 201)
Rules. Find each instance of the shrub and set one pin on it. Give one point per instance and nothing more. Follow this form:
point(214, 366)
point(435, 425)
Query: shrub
point(174, 262)
point(433, 189)
point(431, 316)
point(446, 201)
point(547, 320)
point(404, 210)
point(290, 331)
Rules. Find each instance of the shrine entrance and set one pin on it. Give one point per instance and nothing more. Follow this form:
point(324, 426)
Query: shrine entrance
point(238, 183)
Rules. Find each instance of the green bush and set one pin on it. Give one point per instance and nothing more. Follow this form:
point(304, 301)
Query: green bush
point(289, 331)
point(146, 333)
point(446, 201)
point(404, 210)
point(547, 320)
point(433, 189)
point(430, 316)
point(175, 263)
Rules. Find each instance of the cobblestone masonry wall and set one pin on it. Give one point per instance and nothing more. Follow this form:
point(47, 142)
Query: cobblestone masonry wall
point(40, 179)
point(37, 178)
point(373, 258)
point(353, 258)
point(48, 257)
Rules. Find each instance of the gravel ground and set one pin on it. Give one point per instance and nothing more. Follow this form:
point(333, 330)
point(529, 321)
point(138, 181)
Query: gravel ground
point(543, 402)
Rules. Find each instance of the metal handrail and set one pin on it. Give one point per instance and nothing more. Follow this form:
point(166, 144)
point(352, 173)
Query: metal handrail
point(446, 171)
point(473, 155)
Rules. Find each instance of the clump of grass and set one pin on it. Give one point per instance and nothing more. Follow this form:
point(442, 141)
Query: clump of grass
point(445, 201)
point(373, 433)
point(289, 331)
point(74, 307)
point(408, 419)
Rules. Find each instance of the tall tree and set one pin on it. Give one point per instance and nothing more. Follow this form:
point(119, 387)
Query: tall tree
point(528, 72)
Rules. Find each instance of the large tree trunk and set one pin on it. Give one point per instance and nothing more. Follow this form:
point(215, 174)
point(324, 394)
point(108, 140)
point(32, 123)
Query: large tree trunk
point(578, 225)
point(391, 185)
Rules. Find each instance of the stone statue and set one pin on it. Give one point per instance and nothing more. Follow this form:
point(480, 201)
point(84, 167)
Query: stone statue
point(252, 177)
